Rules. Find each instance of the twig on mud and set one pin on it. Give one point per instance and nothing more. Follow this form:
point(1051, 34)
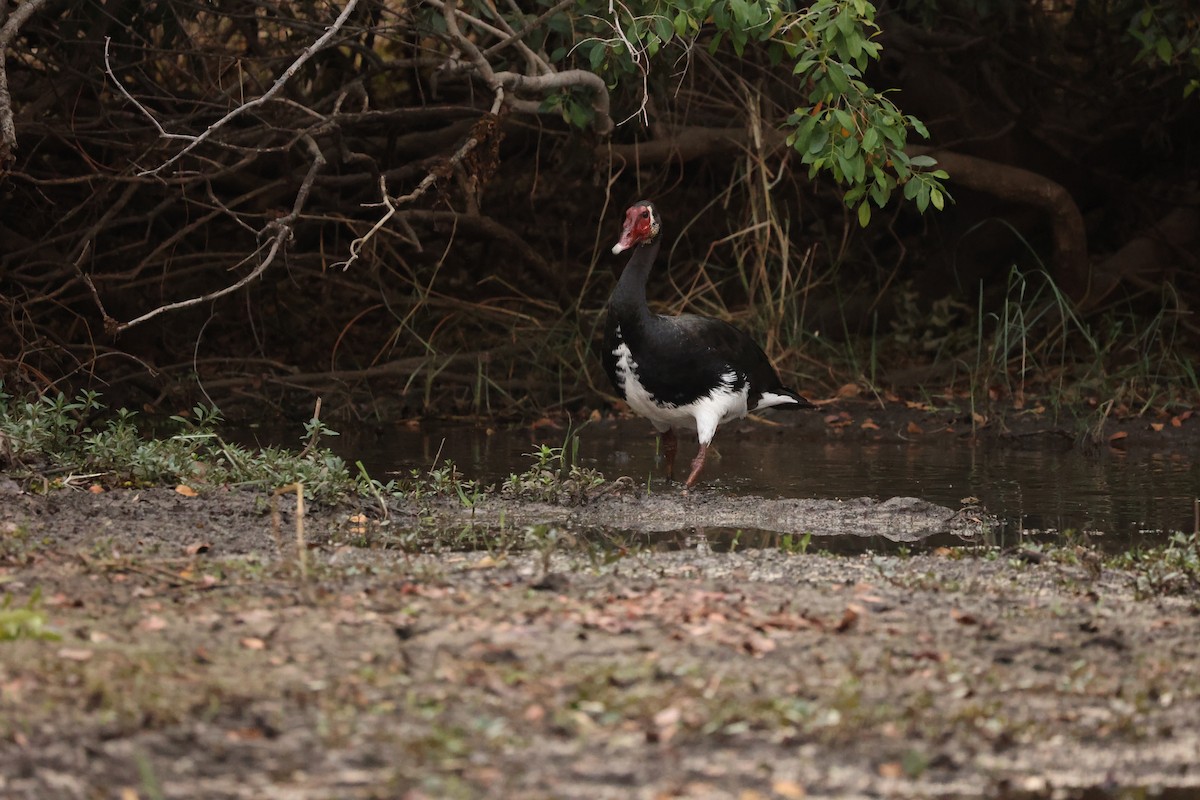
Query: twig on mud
point(301, 546)
point(156, 571)
point(8, 129)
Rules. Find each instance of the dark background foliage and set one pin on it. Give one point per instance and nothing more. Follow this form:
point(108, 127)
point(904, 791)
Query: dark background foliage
point(1064, 264)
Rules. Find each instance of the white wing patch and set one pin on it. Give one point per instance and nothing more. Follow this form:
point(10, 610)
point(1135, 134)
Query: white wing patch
point(771, 399)
point(702, 415)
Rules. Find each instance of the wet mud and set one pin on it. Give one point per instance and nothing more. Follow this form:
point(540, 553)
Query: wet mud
point(197, 655)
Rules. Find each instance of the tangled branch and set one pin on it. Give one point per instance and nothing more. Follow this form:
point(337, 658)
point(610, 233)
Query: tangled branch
point(265, 97)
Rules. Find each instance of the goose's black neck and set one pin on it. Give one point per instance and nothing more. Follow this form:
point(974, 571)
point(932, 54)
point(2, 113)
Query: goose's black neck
point(629, 298)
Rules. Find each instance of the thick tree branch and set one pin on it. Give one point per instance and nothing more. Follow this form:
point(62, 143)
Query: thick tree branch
point(1147, 257)
point(8, 129)
point(1071, 269)
point(688, 144)
point(562, 80)
point(515, 82)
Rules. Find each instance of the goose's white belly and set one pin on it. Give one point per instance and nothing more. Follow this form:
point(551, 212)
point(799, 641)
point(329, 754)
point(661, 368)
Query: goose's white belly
point(702, 415)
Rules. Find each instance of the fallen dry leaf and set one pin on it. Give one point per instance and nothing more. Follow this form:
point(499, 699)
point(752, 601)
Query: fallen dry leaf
point(1156, 426)
point(244, 734)
point(848, 390)
point(869, 425)
point(253, 643)
point(198, 548)
point(788, 789)
point(668, 716)
point(745, 794)
point(758, 645)
point(963, 617)
point(850, 617)
point(891, 769)
point(1118, 436)
point(186, 490)
point(152, 623)
point(914, 428)
point(96, 488)
point(75, 654)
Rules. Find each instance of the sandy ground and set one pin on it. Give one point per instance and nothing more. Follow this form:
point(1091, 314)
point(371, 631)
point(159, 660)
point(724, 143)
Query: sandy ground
point(198, 657)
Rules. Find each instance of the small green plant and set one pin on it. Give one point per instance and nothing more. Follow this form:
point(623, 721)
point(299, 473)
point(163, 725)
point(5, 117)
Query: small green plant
point(795, 545)
point(54, 438)
point(555, 475)
point(1173, 568)
point(436, 483)
point(25, 622)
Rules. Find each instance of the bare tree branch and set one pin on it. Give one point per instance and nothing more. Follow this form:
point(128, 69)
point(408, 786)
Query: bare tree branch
point(392, 205)
point(283, 232)
point(8, 130)
point(532, 26)
point(280, 82)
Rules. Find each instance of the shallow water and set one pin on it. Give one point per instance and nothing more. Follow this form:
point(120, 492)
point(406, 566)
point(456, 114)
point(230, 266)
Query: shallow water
point(1050, 489)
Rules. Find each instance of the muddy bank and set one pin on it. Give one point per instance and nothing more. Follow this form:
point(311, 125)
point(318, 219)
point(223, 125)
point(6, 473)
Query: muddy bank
point(197, 660)
point(897, 519)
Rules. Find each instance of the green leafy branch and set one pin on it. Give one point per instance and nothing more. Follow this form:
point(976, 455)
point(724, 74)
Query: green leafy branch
point(1169, 34)
point(845, 128)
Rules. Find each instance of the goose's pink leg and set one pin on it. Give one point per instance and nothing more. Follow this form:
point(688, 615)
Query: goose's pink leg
point(697, 466)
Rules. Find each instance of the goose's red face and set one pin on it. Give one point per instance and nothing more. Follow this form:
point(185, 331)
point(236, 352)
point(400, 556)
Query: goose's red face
point(641, 226)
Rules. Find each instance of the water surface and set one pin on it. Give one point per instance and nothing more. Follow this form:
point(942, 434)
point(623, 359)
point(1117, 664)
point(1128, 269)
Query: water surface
point(1050, 487)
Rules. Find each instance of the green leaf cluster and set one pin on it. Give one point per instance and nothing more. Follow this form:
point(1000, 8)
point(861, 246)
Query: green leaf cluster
point(842, 128)
point(846, 128)
point(26, 621)
point(1168, 33)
